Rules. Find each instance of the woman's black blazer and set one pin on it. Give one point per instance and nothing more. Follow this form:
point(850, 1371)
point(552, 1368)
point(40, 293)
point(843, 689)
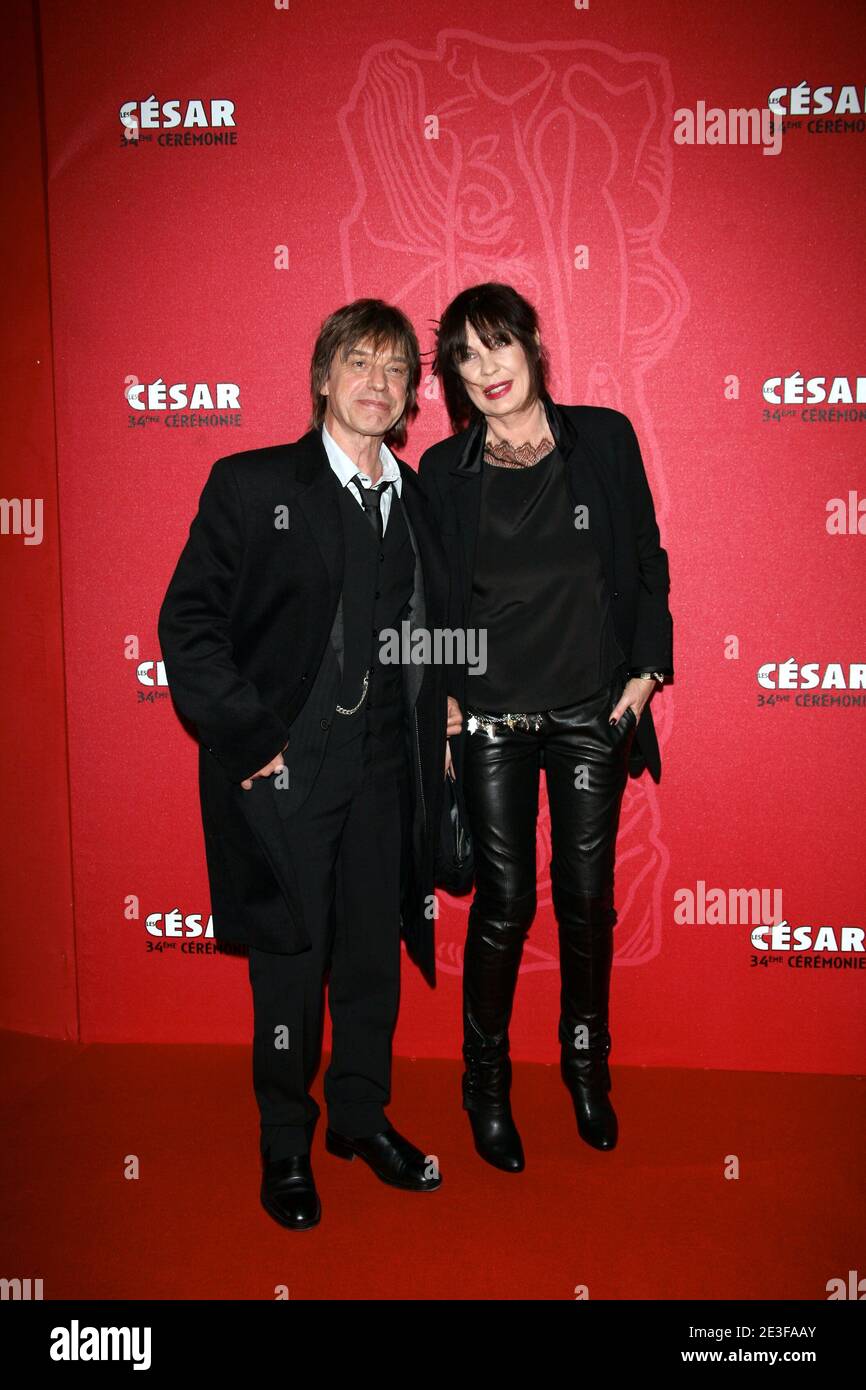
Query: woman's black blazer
point(605, 473)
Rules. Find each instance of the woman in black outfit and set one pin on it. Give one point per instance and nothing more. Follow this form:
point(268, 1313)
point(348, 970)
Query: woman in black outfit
point(550, 529)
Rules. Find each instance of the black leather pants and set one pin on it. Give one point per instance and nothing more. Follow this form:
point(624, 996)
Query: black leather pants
point(586, 763)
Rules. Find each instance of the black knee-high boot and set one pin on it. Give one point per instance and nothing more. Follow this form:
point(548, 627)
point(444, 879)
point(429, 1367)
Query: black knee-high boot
point(585, 960)
point(494, 946)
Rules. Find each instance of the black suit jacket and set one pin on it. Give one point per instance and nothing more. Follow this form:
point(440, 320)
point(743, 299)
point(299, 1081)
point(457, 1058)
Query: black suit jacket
point(605, 472)
point(251, 611)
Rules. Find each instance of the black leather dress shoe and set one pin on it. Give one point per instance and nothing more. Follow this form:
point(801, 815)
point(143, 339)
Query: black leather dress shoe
point(289, 1192)
point(392, 1158)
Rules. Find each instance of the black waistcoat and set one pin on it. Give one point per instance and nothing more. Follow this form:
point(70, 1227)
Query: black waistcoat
point(378, 581)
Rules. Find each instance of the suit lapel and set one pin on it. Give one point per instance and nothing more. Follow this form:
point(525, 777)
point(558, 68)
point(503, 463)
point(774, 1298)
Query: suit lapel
point(317, 498)
point(467, 499)
point(413, 675)
point(587, 484)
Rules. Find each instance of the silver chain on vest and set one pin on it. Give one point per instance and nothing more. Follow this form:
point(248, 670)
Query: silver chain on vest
point(342, 710)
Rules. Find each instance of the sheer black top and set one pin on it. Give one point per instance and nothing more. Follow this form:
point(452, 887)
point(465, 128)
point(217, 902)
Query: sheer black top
point(539, 590)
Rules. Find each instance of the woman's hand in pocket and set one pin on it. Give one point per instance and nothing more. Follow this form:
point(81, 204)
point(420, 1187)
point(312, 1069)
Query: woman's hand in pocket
point(454, 718)
point(633, 697)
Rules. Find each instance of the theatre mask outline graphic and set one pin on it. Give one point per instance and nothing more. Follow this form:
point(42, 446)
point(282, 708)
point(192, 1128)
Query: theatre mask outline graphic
point(482, 159)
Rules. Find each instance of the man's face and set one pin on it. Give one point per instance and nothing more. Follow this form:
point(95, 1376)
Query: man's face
point(497, 378)
point(366, 391)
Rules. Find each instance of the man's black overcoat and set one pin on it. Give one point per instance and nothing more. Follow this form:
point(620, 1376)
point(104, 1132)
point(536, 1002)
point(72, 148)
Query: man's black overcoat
point(252, 609)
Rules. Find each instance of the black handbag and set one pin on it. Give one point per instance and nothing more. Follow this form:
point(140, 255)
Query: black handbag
point(455, 864)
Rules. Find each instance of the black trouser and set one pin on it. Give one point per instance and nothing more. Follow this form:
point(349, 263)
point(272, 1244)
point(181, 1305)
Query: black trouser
point(586, 764)
point(347, 843)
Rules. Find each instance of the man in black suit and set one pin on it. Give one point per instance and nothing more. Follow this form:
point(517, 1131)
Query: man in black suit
point(322, 761)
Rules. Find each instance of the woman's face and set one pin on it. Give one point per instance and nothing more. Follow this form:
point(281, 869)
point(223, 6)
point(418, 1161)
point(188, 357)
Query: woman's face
point(497, 378)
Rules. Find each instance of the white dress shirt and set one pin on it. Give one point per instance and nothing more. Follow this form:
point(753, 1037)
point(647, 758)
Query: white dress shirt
point(346, 470)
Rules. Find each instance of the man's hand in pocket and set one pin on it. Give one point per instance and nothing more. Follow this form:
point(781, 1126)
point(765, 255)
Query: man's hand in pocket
point(273, 766)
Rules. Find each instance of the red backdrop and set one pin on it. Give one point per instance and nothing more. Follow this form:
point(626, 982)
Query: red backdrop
point(388, 151)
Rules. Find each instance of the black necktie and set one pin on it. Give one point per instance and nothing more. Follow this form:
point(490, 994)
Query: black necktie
point(371, 498)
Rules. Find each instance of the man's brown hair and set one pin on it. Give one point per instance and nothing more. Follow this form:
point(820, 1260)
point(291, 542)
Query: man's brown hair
point(380, 326)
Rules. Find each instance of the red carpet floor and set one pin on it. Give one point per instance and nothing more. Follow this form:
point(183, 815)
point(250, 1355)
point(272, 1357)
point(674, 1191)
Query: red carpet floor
point(656, 1218)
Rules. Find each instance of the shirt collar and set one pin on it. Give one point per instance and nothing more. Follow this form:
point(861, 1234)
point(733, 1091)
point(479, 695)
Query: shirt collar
point(346, 470)
point(561, 425)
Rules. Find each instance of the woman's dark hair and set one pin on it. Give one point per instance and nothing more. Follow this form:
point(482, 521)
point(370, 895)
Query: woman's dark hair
point(382, 326)
point(495, 311)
